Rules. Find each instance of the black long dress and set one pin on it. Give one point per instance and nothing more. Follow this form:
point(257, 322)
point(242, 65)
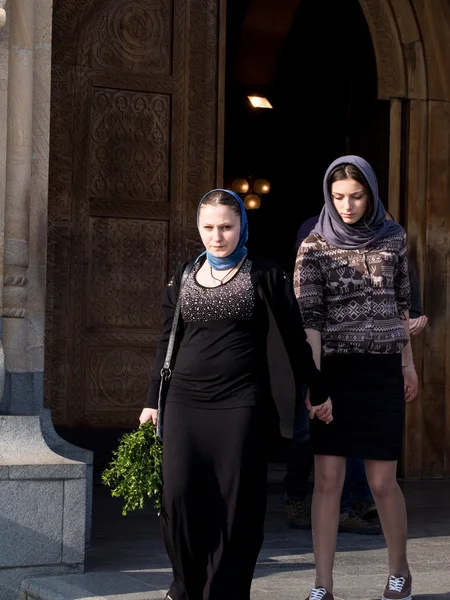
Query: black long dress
point(214, 465)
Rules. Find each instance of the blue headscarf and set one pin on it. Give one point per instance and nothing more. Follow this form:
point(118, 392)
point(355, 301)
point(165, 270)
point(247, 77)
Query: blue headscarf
point(227, 262)
point(358, 235)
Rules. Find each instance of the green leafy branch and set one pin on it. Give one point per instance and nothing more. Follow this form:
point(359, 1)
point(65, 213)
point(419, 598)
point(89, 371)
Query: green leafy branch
point(135, 473)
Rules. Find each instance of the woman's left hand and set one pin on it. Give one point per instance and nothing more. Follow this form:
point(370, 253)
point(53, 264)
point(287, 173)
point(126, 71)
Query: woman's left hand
point(411, 383)
point(324, 411)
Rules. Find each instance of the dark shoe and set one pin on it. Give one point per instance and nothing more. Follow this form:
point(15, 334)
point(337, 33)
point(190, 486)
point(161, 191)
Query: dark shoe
point(297, 513)
point(351, 522)
point(398, 588)
point(367, 510)
point(320, 594)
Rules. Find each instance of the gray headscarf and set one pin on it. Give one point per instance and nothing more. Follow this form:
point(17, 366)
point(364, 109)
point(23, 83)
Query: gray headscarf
point(359, 235)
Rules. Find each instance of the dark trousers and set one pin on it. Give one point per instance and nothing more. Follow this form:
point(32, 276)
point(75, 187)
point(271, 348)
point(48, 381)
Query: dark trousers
point(214, 499)
point(299, 458)
point(356, 486)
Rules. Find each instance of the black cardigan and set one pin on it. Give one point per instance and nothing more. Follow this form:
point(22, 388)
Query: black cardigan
point(290, 359)
point(416, 310)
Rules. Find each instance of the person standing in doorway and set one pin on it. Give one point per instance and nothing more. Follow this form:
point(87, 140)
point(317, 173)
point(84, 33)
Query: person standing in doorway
point(351, 282)
point(417, 320)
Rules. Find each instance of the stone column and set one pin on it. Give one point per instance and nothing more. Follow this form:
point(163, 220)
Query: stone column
point(43, 496)
point(4, 45)
point(17, 204)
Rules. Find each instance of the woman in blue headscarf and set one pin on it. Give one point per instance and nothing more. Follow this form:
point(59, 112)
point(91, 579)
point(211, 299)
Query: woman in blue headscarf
point(214, 464)
point(351, 281)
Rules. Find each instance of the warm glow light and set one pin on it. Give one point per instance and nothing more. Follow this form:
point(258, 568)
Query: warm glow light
point(252, 201)
point(259, 102)
point(261, 186)
point(240, 186)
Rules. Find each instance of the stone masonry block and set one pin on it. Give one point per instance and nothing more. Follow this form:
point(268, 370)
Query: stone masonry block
point(74, 521)
point(74, 471)
point(31, 520)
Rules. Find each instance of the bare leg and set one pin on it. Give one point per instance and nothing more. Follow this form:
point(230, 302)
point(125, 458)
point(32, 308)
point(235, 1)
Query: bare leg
point(328, 481)
point(390, 503)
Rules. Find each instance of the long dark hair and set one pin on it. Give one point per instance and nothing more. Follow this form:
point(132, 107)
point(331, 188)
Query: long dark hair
point(348, 171)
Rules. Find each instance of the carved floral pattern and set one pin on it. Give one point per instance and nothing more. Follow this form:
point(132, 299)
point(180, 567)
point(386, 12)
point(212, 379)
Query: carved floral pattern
point(134, 36)
point(129, 146)
point(127, 276)
point(388, 50)
point(118, 377)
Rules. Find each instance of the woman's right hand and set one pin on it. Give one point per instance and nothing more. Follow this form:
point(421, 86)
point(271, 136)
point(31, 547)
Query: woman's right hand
point(324, 411)
point(148, 414)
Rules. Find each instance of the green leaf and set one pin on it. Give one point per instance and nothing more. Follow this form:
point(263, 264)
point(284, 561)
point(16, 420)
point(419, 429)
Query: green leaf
point(135, 473)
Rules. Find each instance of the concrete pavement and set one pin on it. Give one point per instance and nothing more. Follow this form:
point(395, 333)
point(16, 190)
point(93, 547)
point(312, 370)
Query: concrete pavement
point(127, 560)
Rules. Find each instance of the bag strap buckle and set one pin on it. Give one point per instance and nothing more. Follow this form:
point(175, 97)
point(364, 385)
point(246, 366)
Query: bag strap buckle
point(166, 373)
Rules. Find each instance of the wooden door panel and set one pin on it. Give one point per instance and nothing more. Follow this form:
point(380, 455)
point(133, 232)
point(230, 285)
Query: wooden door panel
point(127, 264)
point(134, 143)
point(129, 145)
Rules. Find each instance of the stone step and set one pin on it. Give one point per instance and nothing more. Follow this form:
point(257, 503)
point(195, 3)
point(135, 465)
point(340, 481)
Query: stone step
point(139, 585)
point(286, 578)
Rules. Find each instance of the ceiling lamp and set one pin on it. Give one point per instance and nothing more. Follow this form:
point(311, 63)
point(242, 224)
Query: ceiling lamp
point(240, 186)
point(261, 186)
point(252, 201)
point(251, 191)
point(259, 102)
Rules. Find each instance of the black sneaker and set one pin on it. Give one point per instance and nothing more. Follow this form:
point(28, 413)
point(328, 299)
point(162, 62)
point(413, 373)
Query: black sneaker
point(351, 522)
point(297, 513)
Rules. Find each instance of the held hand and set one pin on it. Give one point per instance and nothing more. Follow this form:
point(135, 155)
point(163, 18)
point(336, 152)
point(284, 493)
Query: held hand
point(324, 411)
point(148, 414)
point(416, 326)
point(411, 383)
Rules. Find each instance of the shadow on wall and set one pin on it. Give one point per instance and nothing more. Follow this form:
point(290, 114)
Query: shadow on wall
point(30, 551)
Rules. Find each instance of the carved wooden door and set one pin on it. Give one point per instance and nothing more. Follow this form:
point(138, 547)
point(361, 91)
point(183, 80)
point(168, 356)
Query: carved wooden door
point(135, 142)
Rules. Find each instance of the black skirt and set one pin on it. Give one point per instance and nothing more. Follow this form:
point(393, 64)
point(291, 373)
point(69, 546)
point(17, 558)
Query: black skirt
point(368, 407)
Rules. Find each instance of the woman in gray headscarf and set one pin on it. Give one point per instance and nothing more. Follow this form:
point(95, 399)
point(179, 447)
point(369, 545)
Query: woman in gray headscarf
point(351, 282)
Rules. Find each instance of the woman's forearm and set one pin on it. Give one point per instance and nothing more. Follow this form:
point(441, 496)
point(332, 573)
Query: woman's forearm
point(314, 338)
point(407, 355)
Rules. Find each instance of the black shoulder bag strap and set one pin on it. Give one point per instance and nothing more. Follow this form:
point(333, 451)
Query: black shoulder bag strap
point(166, 371)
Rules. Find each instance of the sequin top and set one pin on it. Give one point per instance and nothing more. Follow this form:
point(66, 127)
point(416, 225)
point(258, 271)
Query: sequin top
point(221, 355)
point(234, 299)
point(355, 298)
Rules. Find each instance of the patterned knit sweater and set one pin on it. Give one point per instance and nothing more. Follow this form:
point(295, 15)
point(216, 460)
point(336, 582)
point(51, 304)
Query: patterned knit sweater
point(355, 298)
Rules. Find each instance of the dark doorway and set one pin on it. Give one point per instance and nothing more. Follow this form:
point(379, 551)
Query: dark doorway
point(317, 68)
point(323, 89)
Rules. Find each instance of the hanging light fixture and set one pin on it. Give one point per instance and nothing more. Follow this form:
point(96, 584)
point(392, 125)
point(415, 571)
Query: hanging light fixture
point(251, 191)
point(261, 186)
point(252, 201)
point(240, 186)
